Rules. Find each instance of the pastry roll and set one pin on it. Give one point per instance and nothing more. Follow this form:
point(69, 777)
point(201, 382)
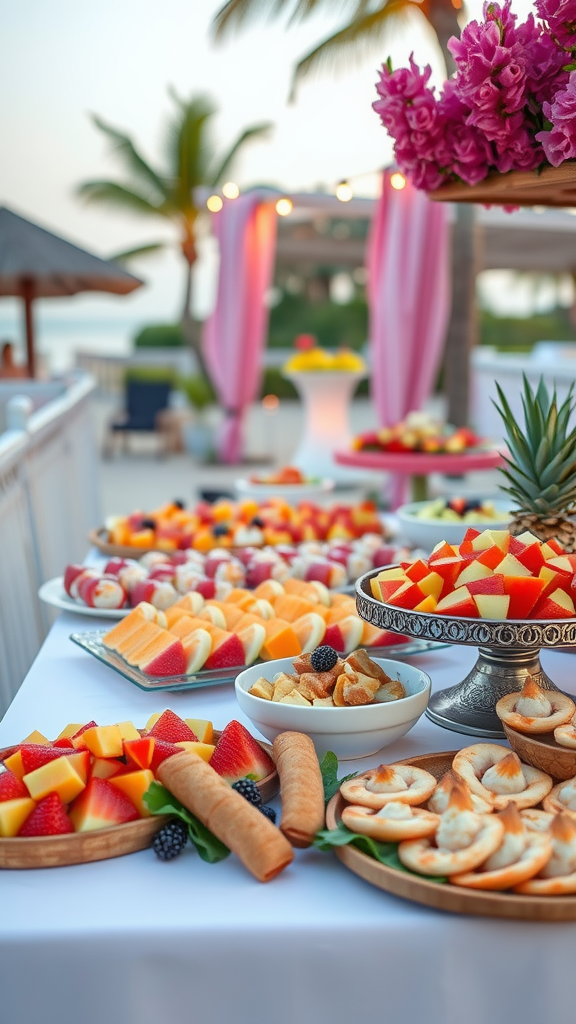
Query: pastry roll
point(242, 827)
point(301, 787)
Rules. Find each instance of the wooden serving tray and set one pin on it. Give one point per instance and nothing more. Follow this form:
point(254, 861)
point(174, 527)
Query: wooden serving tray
point(453, 898)
point(83, 847)
point(97, 538)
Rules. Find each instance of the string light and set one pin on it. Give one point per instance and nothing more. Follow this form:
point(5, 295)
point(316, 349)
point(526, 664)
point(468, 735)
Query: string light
point(270, 403)
point(230, 190)
point(284, 206)
point(344, 191)
point(214, 204)
point(398, 181)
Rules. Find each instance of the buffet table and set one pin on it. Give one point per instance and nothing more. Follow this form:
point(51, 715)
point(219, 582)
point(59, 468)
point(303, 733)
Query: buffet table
point(138, 941)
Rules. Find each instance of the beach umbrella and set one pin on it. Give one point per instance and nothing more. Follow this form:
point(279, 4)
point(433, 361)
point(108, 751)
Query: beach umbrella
point(36, 264)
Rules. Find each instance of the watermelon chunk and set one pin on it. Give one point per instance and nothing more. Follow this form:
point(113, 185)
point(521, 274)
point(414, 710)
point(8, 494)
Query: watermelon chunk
point(101, 805)
point(239, 756)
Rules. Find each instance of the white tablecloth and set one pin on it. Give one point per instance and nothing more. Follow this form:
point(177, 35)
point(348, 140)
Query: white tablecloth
point(137, 941)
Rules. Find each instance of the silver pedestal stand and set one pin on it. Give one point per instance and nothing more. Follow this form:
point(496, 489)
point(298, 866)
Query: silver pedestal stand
point(508, 652)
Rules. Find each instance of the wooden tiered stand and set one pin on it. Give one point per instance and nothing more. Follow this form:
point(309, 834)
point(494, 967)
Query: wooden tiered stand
point(552, 186)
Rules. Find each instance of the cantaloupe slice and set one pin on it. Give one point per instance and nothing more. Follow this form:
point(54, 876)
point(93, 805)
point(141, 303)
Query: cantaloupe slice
point(269, 590)
point(124, 629)
point(197, 646)
point(191, 602)
point(210, 613)
point(302, 589)
point(281, 641)
point(310, 629)
point(292, 607)
point(135, 645)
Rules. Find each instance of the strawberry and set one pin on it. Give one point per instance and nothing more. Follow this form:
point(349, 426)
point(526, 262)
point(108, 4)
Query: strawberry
point(172, 729)
point(11, 787)
point(48, 818)
point(162, 750)
point(65, 742)
point(34, 755)
point(77, 740)
point(239, 756)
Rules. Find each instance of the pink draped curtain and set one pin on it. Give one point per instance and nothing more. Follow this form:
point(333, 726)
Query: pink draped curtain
point(409, 301)
point(235, 333)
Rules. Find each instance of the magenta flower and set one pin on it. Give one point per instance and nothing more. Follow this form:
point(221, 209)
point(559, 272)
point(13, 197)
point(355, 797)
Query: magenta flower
point(560, 17)
point(544, 61)
point(559, 143)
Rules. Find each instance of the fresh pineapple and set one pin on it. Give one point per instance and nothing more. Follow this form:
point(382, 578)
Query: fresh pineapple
point(541, 467)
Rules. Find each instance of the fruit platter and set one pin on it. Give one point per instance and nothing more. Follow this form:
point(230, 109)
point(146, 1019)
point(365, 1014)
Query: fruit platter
point(231, 525)
point(289, 483)
point(418, 433)
point(446, 830)
point(198, 642)
point(509, 596)
point(162, 577)
point(81, 797)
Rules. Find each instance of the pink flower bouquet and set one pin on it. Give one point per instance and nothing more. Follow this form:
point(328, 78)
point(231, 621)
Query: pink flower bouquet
point(511, 106)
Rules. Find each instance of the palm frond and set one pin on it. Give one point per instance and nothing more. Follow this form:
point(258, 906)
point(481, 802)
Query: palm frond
point(237, 13)
point(189, 148)
point(145, 175)
point(357, 38)
point(141, 250)
point(112, 193)
point(257, 130)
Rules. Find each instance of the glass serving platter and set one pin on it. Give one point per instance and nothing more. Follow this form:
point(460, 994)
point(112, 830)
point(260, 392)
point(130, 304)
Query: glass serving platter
point(92, 643)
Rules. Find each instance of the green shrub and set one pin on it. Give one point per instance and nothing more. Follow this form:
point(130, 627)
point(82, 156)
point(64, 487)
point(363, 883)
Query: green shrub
point(333, 325)
point(160, 336)
point(520, 334)
point(199, 391)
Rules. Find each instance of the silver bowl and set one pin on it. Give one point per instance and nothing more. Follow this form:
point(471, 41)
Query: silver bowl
point(508, 652)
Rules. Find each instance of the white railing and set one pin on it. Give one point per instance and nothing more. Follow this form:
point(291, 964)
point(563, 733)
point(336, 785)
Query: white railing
point(48, 502)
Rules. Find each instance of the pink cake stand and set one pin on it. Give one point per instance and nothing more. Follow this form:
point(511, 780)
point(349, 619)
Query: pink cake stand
point(418, 465)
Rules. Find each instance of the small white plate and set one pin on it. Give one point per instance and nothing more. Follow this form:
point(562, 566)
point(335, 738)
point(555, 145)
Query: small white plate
point(296, 492)
point(52, 592)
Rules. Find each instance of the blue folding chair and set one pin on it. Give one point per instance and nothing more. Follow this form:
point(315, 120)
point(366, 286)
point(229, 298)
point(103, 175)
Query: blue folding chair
point(144, 401)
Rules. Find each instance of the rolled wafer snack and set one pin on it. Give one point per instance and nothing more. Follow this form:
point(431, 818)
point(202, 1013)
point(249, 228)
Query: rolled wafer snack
point(300, 786)
point(242, 827)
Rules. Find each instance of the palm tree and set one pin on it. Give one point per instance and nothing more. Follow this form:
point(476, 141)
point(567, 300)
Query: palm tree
point(367, 24)
point(190, 165)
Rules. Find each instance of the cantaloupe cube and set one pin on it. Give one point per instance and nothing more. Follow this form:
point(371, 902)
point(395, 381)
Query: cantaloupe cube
point(134, 785)
point(128, 731)
point(204, 750)
point(105, 740)
point(281, 641)
point(13, 814)
point(201, 728)
point(59, 776)
point(70, 730)
point(14, 764)
point(153, 719)
point(37, 737)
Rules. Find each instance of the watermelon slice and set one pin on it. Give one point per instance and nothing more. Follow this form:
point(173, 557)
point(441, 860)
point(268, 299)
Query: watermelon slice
point(239, 756)
point(139, 752)
point(101, 805)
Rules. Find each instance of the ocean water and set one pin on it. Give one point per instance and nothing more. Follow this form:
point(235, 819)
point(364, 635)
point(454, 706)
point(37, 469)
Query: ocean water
point(58, 340)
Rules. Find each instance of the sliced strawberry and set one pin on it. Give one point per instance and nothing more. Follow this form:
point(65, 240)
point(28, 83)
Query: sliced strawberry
point(239, 756)
point(34, 755)
point(172, 729)
point(162, 750)
point(48, 818)
point(11, 787)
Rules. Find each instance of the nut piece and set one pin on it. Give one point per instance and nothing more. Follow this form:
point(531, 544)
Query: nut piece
point(294, 697)
point(262, 688)
point(361, 691)
point(360, 662)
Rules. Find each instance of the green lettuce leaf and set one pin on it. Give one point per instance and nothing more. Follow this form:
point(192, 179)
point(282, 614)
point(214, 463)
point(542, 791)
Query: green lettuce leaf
point(385, 853)
point(330, 780)
point(160, 801)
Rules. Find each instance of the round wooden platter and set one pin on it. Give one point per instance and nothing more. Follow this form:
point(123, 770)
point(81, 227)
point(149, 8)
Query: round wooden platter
point(83, 847)
point(97, 538)
point(543, 752)
point(453, 898)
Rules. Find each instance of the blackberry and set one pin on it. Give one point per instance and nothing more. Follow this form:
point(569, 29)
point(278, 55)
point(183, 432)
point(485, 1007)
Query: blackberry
point(323, 658)
point(170, 840)
point(178, 503)
point(257, 521)
point(148, 524)
point(249, 790)
point(269, 812)
point(220, 530)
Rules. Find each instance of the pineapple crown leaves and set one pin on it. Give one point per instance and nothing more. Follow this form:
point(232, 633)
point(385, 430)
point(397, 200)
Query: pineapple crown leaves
point(542, 462)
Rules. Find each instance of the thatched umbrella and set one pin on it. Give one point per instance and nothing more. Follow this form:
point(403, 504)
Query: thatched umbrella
point(36, 264)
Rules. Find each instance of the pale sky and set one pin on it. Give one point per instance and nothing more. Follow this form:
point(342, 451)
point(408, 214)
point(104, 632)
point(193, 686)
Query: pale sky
point(61, 59)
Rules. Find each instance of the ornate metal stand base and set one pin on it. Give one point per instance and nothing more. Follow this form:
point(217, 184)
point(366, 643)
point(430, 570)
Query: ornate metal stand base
point(469, 706)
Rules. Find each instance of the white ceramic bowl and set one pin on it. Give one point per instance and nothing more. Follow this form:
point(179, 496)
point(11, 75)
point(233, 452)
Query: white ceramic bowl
point(289, 492)
point(348, 732)
point(426, 533)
